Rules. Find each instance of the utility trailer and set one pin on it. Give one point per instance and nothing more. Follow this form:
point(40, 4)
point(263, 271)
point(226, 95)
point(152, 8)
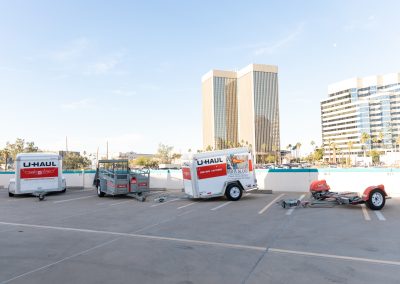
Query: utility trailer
point(37, 174)
point(228, 172)
point(114, 177)
point(321, 196)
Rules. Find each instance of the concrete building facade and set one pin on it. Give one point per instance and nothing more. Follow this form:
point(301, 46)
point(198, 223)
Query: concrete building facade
point(242, 107)
point(359, 115)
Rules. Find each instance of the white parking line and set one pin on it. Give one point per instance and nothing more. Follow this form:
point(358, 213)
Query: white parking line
point(59, 261)
point(186, 205)
point(139, 236)
point(304, 253)
point(155, 205)
point(365, 213)
point(220, 206)
point(270, 204)
point(380, 216)
point(72, 199)
point(122, 202)
point(290, 211)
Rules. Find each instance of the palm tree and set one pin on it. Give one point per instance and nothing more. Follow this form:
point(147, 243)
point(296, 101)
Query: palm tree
point(380, 138)
point(298, 146)
point(312, 144)
point(349, 146)
point(398, 141)
point(275, 149)
point(264, 150)
point(364, 140)
point(333, 147)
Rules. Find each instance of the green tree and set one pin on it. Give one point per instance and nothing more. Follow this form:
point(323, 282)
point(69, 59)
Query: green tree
point(318, 154)
point(375, 155)
point(264, 151)
point(164, 153)
point(275, 150)
point(13, 149)
point(364, 140)
point(380, 139)
point(4, 157)
point(298, 146)
point(398, 141)
point(349, 146)
point(144, 162)
point(270, 159)
point(208, 148)
point(333, 147)
point(176, 156)
point(74, 161)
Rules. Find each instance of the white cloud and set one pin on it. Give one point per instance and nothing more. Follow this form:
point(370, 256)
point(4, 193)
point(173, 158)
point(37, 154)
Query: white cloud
point(365, 24)
point(81, 104)
point(275, 46)
point(105, 65)
point(72, 50)
point(123, 93)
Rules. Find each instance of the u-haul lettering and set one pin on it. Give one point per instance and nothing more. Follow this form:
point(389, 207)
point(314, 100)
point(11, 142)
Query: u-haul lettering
point(209, 161)
point(211, 167)
point(39, 164)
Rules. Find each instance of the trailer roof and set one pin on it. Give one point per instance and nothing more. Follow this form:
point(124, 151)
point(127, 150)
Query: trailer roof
point(220, 152)
point(25, 156)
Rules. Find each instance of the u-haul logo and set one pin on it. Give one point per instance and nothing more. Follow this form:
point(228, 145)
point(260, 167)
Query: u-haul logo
point(39, 164)
point(210, 161)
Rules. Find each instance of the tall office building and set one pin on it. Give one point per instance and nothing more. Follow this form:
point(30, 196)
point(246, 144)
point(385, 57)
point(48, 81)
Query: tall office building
point(242, 107)
point(368, 105)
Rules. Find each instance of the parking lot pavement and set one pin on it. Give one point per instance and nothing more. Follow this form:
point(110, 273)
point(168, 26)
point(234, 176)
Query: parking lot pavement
point(79, 237)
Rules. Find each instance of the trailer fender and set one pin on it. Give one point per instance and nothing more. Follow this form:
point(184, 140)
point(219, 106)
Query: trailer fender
point(367, 191)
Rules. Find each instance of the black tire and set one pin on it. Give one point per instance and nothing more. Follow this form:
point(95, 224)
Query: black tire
point(376, 199)
point(233, 192)
point(99, 192)
point(64, 190)
point(10, 194)
point(41, 197)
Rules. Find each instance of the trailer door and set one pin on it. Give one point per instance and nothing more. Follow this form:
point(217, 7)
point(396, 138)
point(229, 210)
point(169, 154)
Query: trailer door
point(187, 180)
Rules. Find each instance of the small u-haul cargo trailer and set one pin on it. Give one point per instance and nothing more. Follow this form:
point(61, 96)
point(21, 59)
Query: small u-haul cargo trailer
point(224, 172)
point(38, 174)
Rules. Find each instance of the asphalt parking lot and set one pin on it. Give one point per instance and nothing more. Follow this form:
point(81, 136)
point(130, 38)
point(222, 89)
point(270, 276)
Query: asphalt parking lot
point(78, 237)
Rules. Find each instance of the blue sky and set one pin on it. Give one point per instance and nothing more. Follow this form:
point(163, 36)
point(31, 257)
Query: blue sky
point(130, 72)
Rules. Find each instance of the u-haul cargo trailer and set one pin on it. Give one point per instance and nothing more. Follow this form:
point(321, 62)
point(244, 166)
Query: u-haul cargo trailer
point(37, 172)
point(225, 172)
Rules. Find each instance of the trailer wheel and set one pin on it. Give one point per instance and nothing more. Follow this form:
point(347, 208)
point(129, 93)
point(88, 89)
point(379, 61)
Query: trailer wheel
point(64, 190)
point(233, 192)
point(376, 199)
point(10, 194)
point(99, 192)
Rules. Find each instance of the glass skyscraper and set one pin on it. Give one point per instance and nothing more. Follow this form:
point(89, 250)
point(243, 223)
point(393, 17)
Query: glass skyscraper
point(242, 107)
point(369, 105)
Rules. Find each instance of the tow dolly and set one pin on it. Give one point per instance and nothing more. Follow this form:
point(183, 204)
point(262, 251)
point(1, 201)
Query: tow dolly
point(321, 196)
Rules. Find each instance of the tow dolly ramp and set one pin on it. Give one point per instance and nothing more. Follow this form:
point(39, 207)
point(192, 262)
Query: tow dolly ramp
point(321, 196)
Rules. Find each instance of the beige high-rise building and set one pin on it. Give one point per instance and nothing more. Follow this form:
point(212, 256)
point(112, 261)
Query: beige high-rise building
point(242, 108)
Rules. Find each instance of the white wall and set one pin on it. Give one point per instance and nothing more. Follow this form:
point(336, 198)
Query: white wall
point(282, 180)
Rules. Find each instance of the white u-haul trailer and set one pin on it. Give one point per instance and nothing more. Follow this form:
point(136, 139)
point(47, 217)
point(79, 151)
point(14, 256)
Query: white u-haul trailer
point(217, 173)
point(37, 173)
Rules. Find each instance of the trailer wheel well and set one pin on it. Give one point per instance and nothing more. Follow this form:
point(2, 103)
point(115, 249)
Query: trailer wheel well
point(236, 182)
